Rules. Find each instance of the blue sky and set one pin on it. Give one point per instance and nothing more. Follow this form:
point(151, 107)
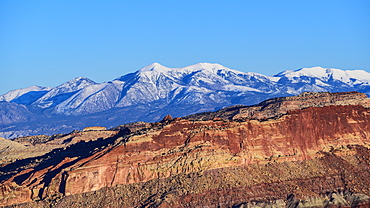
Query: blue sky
point(47, 43)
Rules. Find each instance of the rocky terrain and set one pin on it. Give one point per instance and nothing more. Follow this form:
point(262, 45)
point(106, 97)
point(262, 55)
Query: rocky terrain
point(155, 91)
point(310, 150)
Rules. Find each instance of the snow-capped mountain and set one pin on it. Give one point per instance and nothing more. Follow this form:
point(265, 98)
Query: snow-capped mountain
point(350, 77)
point(200, 83)
point(91, 99)
point(25, 95)
point(154, 91)
point(62, 92)
point(323, 79)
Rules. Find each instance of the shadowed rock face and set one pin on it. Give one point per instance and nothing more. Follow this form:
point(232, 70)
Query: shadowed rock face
point(276, 107)
point(312, 151)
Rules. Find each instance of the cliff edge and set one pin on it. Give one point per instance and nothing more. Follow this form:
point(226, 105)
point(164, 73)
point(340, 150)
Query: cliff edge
point(310, 150)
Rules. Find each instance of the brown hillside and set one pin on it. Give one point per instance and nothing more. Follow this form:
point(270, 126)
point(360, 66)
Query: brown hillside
point(305, 151)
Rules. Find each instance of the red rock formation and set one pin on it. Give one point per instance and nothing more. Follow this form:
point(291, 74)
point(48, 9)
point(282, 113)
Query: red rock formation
point(306, 152)
point(276, 107)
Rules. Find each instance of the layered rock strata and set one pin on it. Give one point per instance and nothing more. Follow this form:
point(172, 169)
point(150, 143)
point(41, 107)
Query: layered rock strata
point(34, 146)
point(276, 107)
point(296, 156)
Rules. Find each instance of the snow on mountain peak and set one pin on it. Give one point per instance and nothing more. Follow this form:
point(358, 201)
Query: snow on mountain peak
point(211, 67)
point(13, 94)
point(155, 82)
point(206, 66)
point(155, 71)
point(80, 79)
point(153, 90)
point(76, 84)
point(63, 90)
point(325, 74)
point(154, 67)
point(312, 72)
point(195, 67)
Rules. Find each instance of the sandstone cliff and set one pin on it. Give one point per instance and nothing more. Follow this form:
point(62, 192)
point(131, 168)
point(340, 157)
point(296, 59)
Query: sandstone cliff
point(276, 107)
point(310, 150)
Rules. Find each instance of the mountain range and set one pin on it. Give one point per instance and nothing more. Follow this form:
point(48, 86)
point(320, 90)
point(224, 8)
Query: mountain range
point(155, 91)
point(304, 151)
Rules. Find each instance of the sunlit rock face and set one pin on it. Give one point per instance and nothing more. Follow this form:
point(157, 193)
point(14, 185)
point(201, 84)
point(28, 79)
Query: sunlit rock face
point(154, 91)
point(310, 150)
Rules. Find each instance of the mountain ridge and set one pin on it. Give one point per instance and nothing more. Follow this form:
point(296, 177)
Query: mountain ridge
point(310, 150)
point(155, 91)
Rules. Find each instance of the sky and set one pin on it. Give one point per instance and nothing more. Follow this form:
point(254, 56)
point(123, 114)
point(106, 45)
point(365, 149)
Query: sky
point(47, 43)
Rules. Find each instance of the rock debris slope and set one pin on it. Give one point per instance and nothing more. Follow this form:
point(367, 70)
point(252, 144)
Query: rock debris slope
point(155, 91)
point(310, 150)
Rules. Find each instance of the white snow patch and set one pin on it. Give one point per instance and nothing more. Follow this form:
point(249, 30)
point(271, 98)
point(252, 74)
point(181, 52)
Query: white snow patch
point(347, 76)
point(240, 88)
point(13, 94)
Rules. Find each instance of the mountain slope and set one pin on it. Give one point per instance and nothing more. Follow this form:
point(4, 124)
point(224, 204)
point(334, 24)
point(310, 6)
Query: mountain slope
point(26, 95)
point(196, 83)
point(62, 92)
point(310, 150)
point(14, 113)
point(155, 91)
point(323, 79)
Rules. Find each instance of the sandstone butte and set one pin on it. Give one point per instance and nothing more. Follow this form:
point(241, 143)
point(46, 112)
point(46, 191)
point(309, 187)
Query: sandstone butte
point(310, 150)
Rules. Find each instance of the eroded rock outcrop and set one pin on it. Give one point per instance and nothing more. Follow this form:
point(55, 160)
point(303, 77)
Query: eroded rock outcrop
point(35, 146)
point(276, 107)
point(94, 128)
point(314, 149)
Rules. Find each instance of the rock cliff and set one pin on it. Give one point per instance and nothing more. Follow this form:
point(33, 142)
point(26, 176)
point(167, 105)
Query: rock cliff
point(276, 107)
point(310, 150)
